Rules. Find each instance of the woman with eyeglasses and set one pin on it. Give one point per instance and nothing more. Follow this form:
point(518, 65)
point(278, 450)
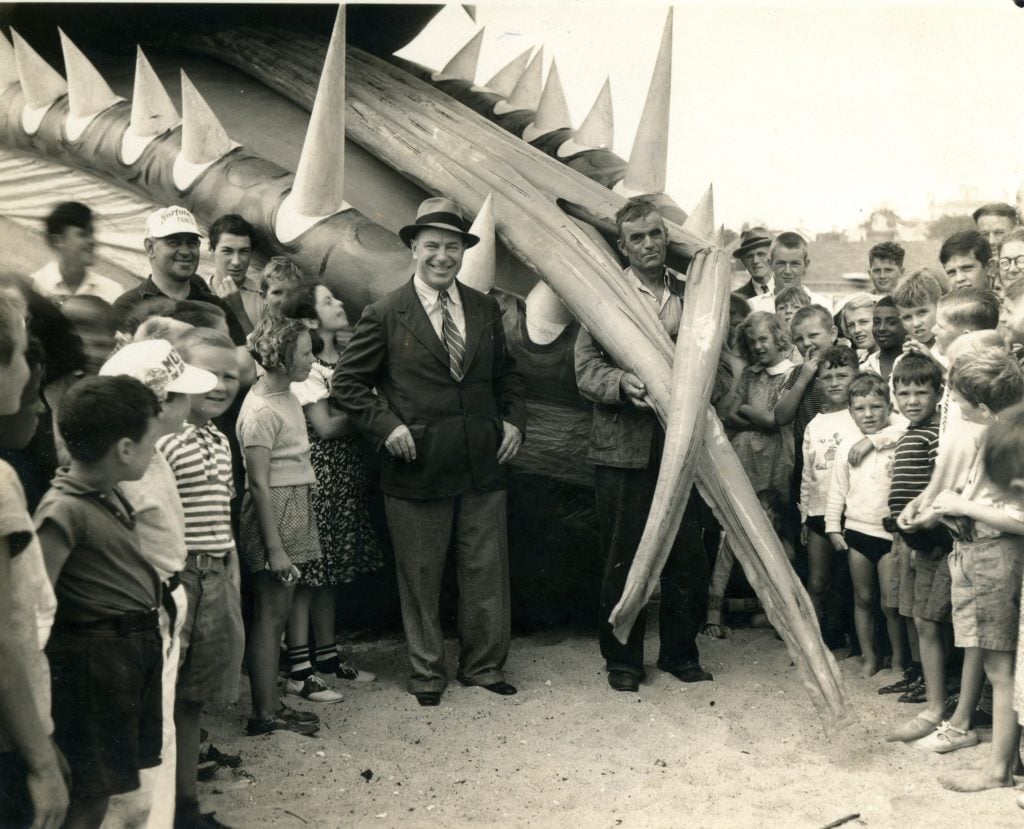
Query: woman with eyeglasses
point(1010, 260)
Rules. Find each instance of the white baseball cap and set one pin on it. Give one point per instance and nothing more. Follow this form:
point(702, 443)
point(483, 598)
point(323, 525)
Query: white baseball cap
point(170, 220)
point(156, 364)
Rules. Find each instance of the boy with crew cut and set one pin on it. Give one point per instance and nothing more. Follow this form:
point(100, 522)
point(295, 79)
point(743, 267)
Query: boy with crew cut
point(885, 266)
point(965, 258)
point(963, 310)
point(105, 650)
point(212, 636)
point(917, 299)
point(923, 571)
point(833, 426)
point(813, 331)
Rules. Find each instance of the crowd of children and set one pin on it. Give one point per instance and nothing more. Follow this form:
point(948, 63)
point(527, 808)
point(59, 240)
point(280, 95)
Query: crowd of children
point(898, 403)
point(884, 442)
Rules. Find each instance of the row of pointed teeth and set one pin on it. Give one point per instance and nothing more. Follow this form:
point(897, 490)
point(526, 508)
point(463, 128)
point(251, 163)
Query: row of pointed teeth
point(521, 88)
point(319, 180)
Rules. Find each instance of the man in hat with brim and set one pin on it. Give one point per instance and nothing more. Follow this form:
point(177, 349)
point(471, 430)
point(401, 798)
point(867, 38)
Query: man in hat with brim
point(449, 411)
point(753, 252)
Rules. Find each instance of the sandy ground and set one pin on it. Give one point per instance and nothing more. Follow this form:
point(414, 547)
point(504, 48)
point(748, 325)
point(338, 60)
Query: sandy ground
point(746, 750)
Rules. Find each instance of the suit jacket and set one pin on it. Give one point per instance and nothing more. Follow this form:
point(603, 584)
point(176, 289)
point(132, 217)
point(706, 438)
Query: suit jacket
point(457, 427)
point(747, 289)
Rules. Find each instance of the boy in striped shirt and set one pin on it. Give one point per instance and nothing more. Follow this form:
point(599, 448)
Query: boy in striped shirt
point(212, 638)
point(924, 580)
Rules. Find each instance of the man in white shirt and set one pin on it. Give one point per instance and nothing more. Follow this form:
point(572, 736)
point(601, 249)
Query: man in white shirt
point(69, 233)
point(788, 260)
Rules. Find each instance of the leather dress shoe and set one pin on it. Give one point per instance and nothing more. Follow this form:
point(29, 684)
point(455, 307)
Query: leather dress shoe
point(428, 698)
point(624, 681)
point(692, 673)
point(504, 689)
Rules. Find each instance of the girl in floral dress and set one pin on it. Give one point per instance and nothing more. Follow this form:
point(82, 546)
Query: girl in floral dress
point(350, 546)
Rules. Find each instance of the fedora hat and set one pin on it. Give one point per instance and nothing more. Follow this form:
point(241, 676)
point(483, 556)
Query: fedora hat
point(442, 214)
point(752, 238)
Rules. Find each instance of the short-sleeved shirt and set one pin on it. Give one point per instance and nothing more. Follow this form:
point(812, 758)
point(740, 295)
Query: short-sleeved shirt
point(33, 604)
point(159, 517)
point(105, 574)
point(50, 283)
point(197, 290)
point(913, 464)
point(200, 458)
point(276, 422)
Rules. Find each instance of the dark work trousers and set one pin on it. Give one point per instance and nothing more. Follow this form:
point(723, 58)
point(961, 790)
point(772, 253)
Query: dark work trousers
point(623, 502)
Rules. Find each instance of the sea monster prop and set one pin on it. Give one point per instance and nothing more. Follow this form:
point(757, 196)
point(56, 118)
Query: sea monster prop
point(507, 154)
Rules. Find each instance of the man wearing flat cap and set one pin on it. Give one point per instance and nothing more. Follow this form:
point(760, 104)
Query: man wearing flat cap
point(753, 252)
point(449, 412)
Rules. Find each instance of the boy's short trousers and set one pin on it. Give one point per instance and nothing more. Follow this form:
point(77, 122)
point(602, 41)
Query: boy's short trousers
point(106, 706)
point(212, 638)
point(816, 523)
point(929, 539)
point(932, 588)
point(870, 546)
point(986, 579)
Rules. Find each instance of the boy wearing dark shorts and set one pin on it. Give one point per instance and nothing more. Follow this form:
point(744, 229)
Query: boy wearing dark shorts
point(105, 650)
point(923, 567)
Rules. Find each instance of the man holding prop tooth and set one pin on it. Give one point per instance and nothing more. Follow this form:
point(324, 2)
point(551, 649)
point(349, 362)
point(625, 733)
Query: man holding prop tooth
point(625, 446)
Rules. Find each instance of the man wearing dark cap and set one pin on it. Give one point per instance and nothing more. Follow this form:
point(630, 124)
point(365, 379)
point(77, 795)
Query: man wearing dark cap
point(449, 411)
point(753, 252)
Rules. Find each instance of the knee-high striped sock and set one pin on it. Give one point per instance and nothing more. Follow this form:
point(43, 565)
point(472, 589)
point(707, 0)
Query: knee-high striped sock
point(298, 660)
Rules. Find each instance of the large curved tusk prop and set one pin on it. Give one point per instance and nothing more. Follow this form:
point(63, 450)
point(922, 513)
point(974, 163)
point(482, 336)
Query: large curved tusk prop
point(725, 487)
point(698, 345)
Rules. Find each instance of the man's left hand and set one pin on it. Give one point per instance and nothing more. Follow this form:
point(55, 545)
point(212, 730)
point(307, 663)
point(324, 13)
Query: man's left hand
point(226, 289)
point(511, 440)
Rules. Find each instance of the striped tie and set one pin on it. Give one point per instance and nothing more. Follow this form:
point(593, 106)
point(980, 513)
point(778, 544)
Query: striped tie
point(452, 339)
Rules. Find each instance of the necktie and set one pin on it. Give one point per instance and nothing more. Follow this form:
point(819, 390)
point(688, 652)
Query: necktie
point(453, 340)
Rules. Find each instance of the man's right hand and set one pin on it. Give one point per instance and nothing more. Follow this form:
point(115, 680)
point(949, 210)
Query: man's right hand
point(633, 390)
point(400, 444)
point(49, 795)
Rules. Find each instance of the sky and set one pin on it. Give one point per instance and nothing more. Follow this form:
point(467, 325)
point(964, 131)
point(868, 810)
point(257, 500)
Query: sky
point(801, 114)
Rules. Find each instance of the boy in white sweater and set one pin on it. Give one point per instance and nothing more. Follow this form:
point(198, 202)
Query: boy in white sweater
point(826, 431)
point(862, 494)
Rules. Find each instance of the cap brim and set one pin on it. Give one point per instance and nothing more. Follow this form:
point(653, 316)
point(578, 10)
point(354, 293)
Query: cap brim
point(193, 380)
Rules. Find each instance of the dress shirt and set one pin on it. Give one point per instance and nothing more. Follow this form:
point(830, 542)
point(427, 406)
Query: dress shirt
point(430, 299)
point(670, 306)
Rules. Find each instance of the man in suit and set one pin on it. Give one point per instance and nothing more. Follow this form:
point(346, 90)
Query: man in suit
point(449, 411)
point(626, 442)
point(753, 253)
